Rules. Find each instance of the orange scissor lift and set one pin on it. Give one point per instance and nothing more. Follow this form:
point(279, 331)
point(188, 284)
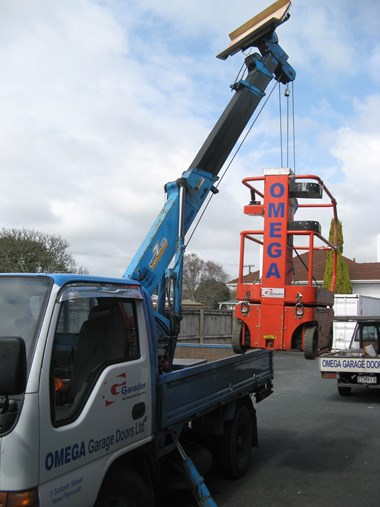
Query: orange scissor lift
point(278, 312)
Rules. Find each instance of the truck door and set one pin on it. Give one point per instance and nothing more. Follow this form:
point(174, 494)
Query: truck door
point(95, 399)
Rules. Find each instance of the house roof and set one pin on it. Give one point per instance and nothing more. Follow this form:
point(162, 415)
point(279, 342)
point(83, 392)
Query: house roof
point(363, 271)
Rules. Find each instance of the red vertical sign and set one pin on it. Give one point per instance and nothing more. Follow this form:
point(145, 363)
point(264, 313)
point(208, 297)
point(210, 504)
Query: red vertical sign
point(277, 252)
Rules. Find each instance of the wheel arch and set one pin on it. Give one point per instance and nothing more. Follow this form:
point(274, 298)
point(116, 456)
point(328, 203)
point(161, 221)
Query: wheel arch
point(214, 422)
point(139, 460)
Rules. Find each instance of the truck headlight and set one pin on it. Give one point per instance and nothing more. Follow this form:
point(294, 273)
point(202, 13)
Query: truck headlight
point(28, 498)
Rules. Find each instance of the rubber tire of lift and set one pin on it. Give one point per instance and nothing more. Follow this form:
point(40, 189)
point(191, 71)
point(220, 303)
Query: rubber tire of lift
point(124, 488)
point(310, 342)
point(234, 450)
point(237, 329)
point(344, 391)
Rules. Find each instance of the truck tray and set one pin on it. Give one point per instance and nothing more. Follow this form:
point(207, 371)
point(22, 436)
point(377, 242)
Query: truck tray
point(199, 389)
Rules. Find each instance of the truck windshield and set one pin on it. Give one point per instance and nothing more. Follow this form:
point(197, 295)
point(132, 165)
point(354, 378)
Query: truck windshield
point(22, 302)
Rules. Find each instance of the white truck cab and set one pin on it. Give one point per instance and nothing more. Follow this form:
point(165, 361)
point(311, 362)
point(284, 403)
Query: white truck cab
point(62, 413)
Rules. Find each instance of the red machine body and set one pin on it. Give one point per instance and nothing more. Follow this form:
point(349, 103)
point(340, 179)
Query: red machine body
point(277, 312)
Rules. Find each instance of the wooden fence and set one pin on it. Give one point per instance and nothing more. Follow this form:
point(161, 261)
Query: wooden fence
point(200, 325)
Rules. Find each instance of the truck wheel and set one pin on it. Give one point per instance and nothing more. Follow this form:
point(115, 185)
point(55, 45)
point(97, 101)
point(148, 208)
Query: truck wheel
point(124, 488)
point(344, 391)
point(234, 451)
point(310, 342)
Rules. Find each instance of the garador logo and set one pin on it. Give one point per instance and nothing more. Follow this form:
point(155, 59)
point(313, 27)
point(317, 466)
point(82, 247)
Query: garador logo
point(112, 388)
point(117, 389)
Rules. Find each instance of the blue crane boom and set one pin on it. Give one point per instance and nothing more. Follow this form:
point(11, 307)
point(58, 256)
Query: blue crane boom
point(166, 239)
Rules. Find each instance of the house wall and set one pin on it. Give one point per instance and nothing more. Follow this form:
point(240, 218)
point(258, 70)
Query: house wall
point(366, 289)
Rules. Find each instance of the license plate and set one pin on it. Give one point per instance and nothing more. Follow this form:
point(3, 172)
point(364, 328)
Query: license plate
point(367, 380)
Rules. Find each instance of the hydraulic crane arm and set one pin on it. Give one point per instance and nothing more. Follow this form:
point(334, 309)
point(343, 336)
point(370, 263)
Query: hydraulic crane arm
point(258, 32)
point(185, 196)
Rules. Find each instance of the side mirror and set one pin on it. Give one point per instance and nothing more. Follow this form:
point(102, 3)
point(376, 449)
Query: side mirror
point(12, 365)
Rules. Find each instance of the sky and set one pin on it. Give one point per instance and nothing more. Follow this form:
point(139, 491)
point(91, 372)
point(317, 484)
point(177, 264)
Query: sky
point(102, 102)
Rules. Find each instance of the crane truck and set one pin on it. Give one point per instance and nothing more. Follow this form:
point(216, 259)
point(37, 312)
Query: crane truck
point(94, 410)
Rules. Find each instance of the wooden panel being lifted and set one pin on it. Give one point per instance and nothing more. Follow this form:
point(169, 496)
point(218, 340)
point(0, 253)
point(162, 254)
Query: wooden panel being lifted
point(247, 34)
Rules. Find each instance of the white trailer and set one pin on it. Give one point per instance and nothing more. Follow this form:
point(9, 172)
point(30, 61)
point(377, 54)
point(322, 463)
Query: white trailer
point(351, 305)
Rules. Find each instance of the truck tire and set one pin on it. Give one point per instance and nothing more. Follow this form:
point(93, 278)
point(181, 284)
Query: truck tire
point(310, 342)
point(344, 391)
point(124, 488)
point(235, 446)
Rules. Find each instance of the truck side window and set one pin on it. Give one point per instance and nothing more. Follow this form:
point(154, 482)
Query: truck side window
point(92, 333)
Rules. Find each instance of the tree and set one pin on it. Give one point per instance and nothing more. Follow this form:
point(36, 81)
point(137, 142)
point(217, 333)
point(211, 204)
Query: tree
point(193, 273)
point(197, 277)
point(31, 251)
point(211, 292)
point(343, 282)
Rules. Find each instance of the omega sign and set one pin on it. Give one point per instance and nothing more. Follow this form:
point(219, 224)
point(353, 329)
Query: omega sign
point(276, 216)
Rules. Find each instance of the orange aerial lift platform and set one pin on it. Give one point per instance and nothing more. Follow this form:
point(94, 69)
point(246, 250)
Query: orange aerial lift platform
point(279, 310)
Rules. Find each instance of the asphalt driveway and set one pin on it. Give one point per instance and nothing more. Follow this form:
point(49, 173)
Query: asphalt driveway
point(316, 447)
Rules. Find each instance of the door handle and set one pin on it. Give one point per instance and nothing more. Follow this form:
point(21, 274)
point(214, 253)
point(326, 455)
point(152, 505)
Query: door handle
point(138, 410)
